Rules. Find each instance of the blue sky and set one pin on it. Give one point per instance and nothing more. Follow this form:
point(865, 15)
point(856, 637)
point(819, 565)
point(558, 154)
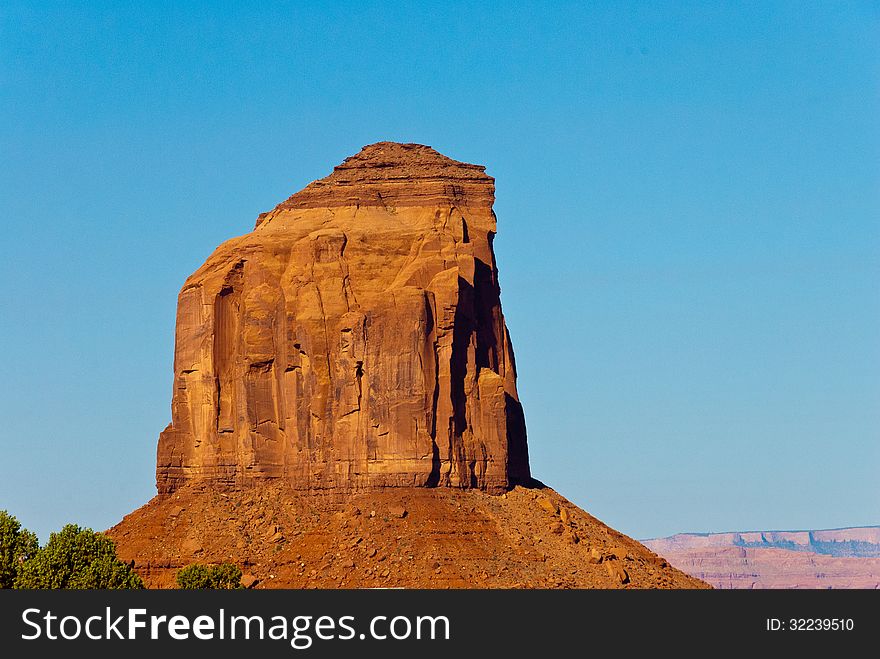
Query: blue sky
point(689, 230)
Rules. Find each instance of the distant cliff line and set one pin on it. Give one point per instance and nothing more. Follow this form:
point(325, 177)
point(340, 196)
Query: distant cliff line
point(852, 542)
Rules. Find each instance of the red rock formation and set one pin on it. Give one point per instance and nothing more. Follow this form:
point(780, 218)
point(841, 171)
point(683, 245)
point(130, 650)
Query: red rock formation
point(353, 345)
point(354, 339)
point(417, 537)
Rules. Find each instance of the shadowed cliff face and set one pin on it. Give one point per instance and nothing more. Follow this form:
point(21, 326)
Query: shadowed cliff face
point(353, 339)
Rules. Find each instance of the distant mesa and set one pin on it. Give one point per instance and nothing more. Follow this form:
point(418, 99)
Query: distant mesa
point(345, 412)
point(833, 558)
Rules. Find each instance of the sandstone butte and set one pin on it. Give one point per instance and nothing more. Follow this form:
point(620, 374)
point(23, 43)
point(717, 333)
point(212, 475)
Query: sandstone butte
point(345, 411)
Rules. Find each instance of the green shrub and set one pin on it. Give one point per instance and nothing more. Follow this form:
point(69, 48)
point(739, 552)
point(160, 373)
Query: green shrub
point(77, 558)
point(225, 576)
point(17, 545)
point(194, 577)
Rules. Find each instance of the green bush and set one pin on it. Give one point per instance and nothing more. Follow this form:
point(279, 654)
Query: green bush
point(17, 545)
point(77, 558)
point(216, 577)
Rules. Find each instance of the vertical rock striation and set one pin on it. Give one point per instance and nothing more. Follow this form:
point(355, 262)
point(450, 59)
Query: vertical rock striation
point(354, 339)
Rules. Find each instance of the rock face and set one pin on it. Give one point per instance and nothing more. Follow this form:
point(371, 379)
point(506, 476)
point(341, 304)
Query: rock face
point(353, 340)
point(835, 558)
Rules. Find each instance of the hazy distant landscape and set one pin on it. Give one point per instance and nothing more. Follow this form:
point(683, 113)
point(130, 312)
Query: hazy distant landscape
point(831, 558)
